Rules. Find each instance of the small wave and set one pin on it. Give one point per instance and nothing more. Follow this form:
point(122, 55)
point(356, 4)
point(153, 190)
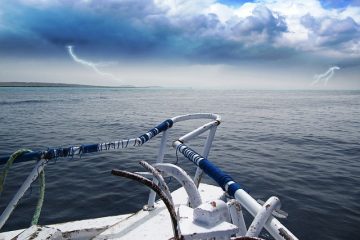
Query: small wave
point(35, 101)
point(23, 102)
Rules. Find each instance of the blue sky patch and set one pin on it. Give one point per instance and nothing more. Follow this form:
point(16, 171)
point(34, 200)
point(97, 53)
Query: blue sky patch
point(328, 4)
point(234, 3)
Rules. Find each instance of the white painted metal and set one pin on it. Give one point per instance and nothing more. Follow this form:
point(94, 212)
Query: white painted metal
point(237, 217)
point(145, 174)
point(212, 213)
point(205, 154)
point(79, 230)
point(273, 203)
point(192, 229)
point(160, 159)
point(200, 130)
point(40, 233)
point(184, 179)
point(272, 225)
point(24, 187)
point(196, 116)
point(156, 224)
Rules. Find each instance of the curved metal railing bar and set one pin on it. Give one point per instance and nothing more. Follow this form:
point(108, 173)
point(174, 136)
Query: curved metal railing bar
point(184, 179)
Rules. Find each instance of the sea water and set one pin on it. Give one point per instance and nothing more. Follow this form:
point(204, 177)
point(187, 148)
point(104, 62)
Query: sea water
point(302, 146)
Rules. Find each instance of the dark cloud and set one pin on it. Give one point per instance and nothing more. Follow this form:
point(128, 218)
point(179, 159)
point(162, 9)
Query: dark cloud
point(329, 32)
point(263, 24)
point(133, 29)
point(109, 24)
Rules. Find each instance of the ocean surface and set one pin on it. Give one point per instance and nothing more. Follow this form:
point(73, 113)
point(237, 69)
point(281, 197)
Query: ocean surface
point(302, 146)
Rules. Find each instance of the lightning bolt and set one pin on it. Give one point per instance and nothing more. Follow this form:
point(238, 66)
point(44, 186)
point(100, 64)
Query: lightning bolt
point(325, 77)
point(93, 66)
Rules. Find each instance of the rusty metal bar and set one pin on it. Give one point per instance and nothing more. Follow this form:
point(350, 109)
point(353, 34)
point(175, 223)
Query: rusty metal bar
point(159, 178)
point(156, 188)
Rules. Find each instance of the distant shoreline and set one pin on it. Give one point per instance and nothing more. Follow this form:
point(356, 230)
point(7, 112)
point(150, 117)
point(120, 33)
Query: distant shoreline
point(44, 84)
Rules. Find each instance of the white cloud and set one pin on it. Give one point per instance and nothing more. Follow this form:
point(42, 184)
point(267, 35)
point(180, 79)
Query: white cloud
point(223, 12)
point(332, 35)
point(340, 22)
point(183, 8)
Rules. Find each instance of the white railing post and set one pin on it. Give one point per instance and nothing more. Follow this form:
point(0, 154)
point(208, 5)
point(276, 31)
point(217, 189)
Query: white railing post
point(237, 216)
point(205, 154)
point(160, 159)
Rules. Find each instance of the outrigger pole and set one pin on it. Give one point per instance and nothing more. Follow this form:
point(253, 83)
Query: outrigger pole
point(261, 213)
point(91, 148)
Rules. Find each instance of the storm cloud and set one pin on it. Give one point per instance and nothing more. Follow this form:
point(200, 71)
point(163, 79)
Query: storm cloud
point(330, 32)
point(135, 29)
point(277, 35)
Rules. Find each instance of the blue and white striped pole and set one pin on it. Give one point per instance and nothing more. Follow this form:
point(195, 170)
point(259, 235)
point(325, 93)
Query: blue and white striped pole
point(91, 148)
point(227, 183)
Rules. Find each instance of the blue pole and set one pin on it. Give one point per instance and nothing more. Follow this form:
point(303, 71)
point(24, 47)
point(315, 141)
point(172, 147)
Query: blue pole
point(225, 181)
point(90, 148)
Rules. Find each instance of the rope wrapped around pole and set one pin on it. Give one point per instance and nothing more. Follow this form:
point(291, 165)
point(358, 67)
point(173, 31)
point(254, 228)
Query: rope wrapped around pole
point(90, 148)
point(225, 181)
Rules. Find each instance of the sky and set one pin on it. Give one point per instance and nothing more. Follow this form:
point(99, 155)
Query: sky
point(227, 44)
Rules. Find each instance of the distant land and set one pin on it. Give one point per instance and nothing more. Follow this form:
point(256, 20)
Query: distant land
point(44, 84)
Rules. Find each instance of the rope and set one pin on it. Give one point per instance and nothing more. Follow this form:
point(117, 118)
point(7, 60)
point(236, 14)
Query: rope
point(40, 201)
point(9, 162)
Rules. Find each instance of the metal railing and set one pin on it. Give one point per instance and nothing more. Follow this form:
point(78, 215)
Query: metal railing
point(211, 127)
point(262, 213)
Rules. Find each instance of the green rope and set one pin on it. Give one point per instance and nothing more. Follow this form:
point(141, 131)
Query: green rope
point(39, 204)
point(12, 158)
